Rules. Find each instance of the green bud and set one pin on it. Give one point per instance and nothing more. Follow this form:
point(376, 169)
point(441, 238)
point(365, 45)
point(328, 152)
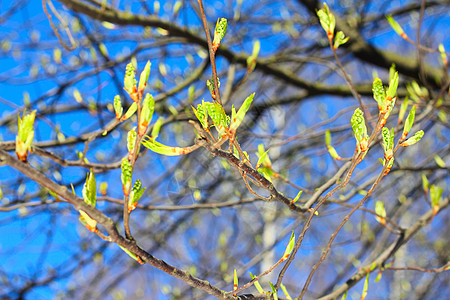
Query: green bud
point(156, 128)
point(144, 77)
point(358, 125)
point(327, 21)
point(148, 108)
point(409, 122)
point(393, 84)
point(130, 79)
point(395, 26)
point(131, 110)
point(131, 140)
point(127, 172)
point(436, 194)
point(135, 195)
point(219, 33)
point(402, 110)
point(379, 94)
point(251, 60)
point(89, 189)
point(118, 109)
point(340, 39)
point(25, 134)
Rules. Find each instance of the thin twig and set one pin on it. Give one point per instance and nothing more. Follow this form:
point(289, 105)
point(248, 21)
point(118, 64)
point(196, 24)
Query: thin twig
point(55, 30)
point(211, 52)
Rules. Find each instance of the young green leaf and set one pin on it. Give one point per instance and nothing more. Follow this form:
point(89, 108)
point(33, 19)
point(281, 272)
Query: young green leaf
point(297, 197)
point(131, 110)
point(345, 295)
point(381, 212)
point(135, 195)
point(393, 84)
point(118, 109)
point(435, 195)
point(274, 291)
point(127, 172)
point(25, 135)
point(285, 292)
point(396, 26)
point(402, 111)
point(261, 159)
point(359, 128)
point(159, 148)
point(379, 93)
point(218, 116)
point(202, 115)
point(156, 127)
point(89, 189)
point(237, 118)
point(212, 87)
point(365, 288)
point(132, 255)
point(388, 142)
point(266, 161)
point(131, 140)
point(439, 161)
point(87, 221)
point(219, 33)
point(148, 107)
point(327, 138)
point(144, 78)
point(409, 122)
point(425, 183)
point(340, 39)
point(414, 139)
point(443, 55)
point(289, 247)
point(251, 60)
point(327, 21)
point(257, 285)
point(235, 282)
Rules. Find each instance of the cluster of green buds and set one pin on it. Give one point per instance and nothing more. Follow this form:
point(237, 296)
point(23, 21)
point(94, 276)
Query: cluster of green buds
point(385, 97)
point(135, 195)
point(225, 125)
point(136, 93)
point(25, 135)
point(360, 130)
point(219, 33)
point(89, 196)
point(328, 22)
